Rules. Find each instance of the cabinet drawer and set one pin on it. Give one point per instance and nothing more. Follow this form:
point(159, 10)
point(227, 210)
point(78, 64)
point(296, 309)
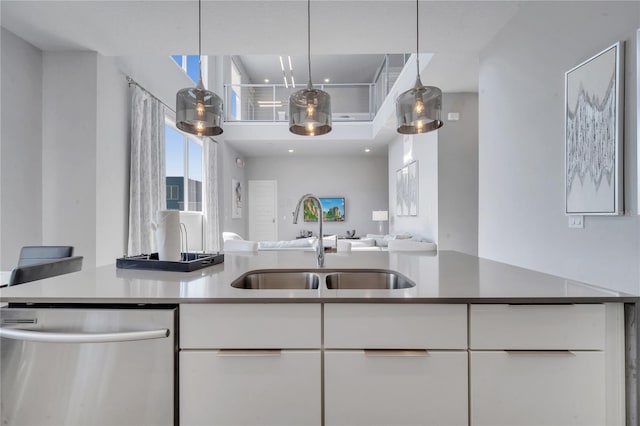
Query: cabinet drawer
point(537, 388)
point(260, 388)
point(395, 326)
point(537, 327)
point(250, 326)
point(396, 388)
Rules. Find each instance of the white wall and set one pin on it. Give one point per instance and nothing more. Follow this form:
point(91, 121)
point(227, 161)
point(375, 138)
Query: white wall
point(362, 181)
point(230, 171)
point(521, 154)
point(458, 175)
point(424, 149)
point(21, 147)
point(68, 169)
point(112, 162)
point(69, 151)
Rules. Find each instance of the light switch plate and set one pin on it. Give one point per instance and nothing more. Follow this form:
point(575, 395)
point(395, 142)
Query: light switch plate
point(453, 116)
point(576, 221)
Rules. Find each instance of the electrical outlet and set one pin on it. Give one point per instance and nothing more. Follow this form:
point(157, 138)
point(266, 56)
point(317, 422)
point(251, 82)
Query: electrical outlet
point(576, 221)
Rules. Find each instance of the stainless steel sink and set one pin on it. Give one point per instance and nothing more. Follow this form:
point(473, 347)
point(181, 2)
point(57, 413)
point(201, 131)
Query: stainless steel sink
point(367, 281)
point(278, 280)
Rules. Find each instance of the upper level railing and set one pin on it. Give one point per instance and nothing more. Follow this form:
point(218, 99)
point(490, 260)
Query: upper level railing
point(270, 102)
point(349, 102)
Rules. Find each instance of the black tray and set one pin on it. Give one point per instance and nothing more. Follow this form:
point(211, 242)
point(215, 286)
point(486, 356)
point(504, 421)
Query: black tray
point(190, 262)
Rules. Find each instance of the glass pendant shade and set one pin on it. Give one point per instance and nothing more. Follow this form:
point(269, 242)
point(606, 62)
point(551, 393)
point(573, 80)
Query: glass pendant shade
point(310, 112)
point(419, 110)
point(199, 111)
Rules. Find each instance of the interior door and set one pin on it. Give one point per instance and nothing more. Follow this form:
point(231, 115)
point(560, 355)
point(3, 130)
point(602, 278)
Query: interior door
point(263, 210)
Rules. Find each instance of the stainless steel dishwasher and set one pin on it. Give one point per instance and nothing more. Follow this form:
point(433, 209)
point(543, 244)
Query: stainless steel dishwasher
point(71, 366)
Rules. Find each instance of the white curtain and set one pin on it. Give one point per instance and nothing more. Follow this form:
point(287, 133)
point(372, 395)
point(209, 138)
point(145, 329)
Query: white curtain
point(211, 238)
point(147, 176)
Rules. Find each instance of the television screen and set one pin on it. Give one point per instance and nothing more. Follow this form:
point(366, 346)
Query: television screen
point(332, 209)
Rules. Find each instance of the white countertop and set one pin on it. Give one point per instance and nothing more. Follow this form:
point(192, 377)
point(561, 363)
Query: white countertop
point(446, 277)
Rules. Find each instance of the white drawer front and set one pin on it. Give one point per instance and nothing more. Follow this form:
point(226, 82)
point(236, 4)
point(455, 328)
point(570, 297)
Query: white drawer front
point(537, 389)
point(252, 388)
point(257, 326)
point(395, 389)
point(395, 326)
point(537, 327)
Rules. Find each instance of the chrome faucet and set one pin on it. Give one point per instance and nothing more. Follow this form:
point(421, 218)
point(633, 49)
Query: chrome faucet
point(320, 245)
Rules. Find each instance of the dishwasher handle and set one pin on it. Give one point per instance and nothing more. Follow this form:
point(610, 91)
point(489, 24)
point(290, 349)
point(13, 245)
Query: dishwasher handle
point(54, 337)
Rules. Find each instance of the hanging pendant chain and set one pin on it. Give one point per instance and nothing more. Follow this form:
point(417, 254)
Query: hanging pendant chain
point(200, 38)
point(309, 38)
point(417, 39)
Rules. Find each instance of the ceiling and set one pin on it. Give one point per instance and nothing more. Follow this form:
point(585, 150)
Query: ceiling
point(456, 31)
point(337, 68)
point(258, 31)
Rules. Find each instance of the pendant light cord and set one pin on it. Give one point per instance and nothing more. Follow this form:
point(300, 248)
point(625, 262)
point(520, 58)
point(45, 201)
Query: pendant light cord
point(417, 39)
point(309, 38)
point(200, 38)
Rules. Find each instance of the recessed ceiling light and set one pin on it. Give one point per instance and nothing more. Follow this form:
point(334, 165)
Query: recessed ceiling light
point(290, 150)
point(326, 80)
point(367, 150)
point(266, 80)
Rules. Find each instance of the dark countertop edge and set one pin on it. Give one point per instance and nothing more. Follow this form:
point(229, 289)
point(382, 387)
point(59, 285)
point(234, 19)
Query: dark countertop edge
point(335, 299)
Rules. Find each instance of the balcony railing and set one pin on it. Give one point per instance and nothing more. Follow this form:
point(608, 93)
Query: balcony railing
point(349, 102)
point(270, 102)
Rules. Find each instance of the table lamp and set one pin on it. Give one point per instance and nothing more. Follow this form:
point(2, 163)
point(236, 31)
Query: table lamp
point(381, 216)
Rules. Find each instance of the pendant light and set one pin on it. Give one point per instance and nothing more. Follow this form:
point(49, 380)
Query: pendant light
point(199, 111)
point(419, 110)
point(309, 108)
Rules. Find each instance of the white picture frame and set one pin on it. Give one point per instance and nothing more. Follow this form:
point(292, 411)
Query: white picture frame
point(236, 199)
point(407, 190)
point(638, 121)
point(593, 134)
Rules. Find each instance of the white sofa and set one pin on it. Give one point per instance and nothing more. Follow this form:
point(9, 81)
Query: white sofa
point(375, 242)
point(372, 242)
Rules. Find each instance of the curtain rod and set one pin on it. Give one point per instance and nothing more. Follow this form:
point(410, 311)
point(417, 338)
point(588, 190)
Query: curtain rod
point(132, 82)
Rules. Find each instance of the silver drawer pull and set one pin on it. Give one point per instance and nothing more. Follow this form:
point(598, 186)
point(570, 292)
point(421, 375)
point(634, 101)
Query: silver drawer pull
point(55, 337)
point(396, 352)
point(249, 352)
point(15, 321)
point(539, 352)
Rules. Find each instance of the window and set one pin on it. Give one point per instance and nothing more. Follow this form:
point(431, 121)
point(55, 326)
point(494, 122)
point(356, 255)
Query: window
point(236, 80)
point(183, 169)
point(173, 193)
point(189, 64)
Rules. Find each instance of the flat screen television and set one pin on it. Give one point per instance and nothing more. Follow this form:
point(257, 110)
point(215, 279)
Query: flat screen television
point(332, 209)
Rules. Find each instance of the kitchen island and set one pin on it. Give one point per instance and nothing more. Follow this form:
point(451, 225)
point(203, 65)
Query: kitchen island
point(474, 342)
point(444, 277)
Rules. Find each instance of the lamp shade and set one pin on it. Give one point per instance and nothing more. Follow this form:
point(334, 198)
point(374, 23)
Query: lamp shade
point(310, 112)
point(380, 215)
point(199, 111)
point(419, 110)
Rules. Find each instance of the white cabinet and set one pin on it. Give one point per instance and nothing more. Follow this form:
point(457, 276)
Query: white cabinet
point(395, 326)
point(537, 388)
point(250, 325)
point(546, 365)
point(259, 388)
point(250, 364)
point(357, 364)
point(395, 364)
point(366, 388)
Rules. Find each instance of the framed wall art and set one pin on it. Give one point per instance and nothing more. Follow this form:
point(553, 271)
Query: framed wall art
point(593, 134)
point(332, 209)
point(407, 190)
point(236, 199)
